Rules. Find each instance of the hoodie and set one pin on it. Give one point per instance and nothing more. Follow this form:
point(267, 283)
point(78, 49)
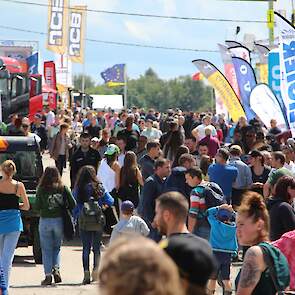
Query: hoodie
point(222, 235)
point(282, 217)
point(176, 182)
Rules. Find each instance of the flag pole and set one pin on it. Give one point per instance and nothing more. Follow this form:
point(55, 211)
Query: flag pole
point(125, 87)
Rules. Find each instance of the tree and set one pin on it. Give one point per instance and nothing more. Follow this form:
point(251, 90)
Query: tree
point(89, 83)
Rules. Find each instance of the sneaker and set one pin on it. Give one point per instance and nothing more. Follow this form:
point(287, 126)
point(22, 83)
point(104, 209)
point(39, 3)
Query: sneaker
point(56, 275)
point(47, 281)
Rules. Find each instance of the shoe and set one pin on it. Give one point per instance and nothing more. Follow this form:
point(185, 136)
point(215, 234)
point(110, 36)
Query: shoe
point(86, 280)
point(94, 275)
point(47, 281)
point(56, 275)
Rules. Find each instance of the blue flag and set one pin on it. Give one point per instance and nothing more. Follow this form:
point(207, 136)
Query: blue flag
point(246, 81)
point(32, 62)
point(114, 76)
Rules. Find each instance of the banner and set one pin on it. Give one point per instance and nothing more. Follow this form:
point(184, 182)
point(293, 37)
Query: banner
point(274, 79)
point(247, 81)
point(287, 67)
point(50, 80)
point(262, 65)
point(63, 67)
point(32, 62)
point(222, 86)
point(229, 69)
point(240, 51)
point(77, 25)
point(57, 26)
point(114, 76)
point(264, 103)
point(231, 43)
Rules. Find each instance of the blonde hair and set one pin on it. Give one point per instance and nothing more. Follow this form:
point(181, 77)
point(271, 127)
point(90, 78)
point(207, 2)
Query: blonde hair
point(8, 167)
point(138, 266)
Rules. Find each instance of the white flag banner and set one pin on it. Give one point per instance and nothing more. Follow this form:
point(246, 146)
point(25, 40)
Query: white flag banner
point(265, 104)
point(241, 51)
point(63, 70)
point(287, 67)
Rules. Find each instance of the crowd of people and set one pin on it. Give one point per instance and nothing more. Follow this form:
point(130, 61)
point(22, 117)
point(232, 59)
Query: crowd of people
point(207, 190)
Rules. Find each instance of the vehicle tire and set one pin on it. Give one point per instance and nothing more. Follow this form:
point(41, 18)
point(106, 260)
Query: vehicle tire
point(37, 253)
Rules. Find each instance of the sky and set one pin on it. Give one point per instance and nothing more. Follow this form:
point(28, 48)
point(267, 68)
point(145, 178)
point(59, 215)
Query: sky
point(150, 31)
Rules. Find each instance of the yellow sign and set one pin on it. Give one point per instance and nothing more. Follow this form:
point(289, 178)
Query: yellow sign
point(263, 73)
point(77, 25)
point(270, 19)
point(57, 26)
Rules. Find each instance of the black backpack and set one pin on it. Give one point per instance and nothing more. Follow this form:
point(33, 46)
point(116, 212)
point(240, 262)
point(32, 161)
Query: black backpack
point(213, 195)
point(92, 217)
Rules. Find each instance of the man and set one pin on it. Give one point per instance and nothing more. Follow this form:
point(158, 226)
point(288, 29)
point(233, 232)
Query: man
point(289, 154)
point(103, 143)
point(141, 147)
point(131, 136)
point(150, 132)
point(273, 127)
point(93, 129)
point(197, 220)
point(152, 189)
point(59, 150)
point(203, 150)
point(278, 160)
point(147, 162)
point(40, 130)
point(50, 117)
point(11, 129)
point(176, 181)
point(222, 173)
point(244, 177)
point(191, 143)
point(84, 155)
point(86, 122)
point(199, 131)
point(211, 142)
point(192, 255)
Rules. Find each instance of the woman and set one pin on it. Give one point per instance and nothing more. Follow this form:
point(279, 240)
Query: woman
point(130, 179)
point(281, 212)
point(253, 231)
point(138, 266)
point(181, 150)
point(50, 197)
point(87, 186)
point(204, 166)
point(259, 171)
point(10, 218)
point(109, 175)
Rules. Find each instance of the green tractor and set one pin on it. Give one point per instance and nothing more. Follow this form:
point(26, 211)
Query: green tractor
point(24, 151)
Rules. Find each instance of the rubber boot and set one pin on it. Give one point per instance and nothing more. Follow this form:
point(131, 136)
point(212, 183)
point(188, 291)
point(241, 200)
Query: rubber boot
point(86, 279)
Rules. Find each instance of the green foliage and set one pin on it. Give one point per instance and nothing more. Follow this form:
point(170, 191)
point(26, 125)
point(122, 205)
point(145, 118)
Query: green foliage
point(89, 83)
point(150, 91)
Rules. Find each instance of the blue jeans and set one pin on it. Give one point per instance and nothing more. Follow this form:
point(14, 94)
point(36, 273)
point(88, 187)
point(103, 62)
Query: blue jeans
point(8, 244)
point(90, 239)
point(51, 235)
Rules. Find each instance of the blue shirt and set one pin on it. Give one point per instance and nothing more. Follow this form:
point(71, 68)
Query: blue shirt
point(224, 176)
point(244, 178)
point(10, 221)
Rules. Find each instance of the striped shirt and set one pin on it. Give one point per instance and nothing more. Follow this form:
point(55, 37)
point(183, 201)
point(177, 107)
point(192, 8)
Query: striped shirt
point(197, 202)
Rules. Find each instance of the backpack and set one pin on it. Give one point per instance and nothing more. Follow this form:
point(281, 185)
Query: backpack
point(91, 217)
point(213, 195)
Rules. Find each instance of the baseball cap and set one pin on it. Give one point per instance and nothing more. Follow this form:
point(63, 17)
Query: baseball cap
point(193, 257)
point(96, 139)
point(38, 116)
point(127, 206)
point(112, 149)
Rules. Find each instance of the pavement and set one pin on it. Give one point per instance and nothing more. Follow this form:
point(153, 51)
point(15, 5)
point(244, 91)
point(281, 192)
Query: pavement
point(26, 276)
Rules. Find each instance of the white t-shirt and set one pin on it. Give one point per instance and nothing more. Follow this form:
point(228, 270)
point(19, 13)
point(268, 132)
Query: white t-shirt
point(201, 130)
point(290, 166)
point(50, 119)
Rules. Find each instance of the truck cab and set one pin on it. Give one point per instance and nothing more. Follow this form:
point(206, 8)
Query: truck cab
point(24, 151)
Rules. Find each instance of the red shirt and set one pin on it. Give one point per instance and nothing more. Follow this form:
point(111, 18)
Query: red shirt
point(212, 143)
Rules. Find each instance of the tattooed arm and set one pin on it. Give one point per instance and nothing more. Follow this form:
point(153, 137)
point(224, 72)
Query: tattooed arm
point(252, 268)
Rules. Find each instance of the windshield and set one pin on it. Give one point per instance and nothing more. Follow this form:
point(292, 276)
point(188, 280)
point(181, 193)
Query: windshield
point(25, 161)
point(3, 86)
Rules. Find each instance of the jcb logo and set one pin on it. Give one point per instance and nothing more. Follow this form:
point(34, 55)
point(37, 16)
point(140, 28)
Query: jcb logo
point(75, 34)
point(56, 23)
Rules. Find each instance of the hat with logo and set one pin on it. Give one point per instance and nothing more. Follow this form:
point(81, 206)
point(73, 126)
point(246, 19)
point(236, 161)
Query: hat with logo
point(112, 149)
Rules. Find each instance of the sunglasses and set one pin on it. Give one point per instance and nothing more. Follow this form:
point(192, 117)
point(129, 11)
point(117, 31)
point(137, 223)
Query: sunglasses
point(25, 126)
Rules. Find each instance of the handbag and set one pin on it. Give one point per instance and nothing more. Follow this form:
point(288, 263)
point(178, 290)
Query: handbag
point(68, 220)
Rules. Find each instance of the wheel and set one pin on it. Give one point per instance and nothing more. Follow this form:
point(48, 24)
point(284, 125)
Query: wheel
point(37, 253)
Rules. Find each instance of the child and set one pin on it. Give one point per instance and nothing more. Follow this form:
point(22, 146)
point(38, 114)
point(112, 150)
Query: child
point(224, 243)
point(129, 224)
